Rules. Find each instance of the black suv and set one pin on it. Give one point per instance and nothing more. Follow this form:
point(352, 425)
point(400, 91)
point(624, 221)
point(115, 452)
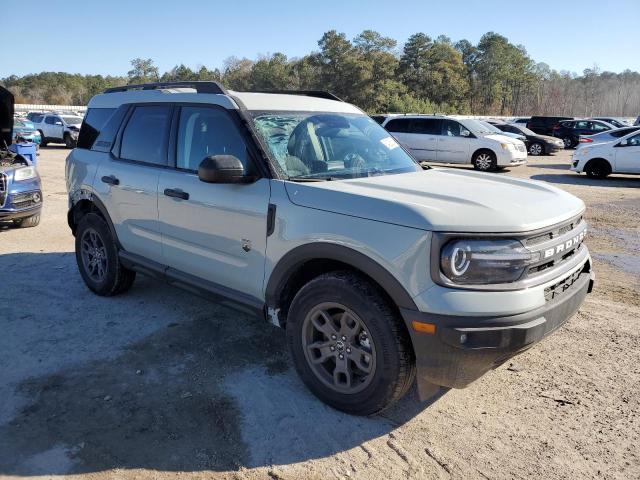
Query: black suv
point(569, 131)
point(544, 125)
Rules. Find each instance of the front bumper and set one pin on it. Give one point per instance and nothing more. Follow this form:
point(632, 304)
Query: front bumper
point(21, 204)
point(512, 158)
point(462, 349)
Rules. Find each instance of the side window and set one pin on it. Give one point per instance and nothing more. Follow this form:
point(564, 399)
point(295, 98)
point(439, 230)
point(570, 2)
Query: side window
point(50, 120)
point(398, 125)
point(599, 127)
point(144, 136)
point(583, 125)
point(429, 126)
point(634, 141)
point(451, 128)
point(206, 131)
point(93, 122)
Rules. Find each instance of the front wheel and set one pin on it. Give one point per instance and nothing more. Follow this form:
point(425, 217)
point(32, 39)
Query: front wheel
point(97, 258)
point(27, 222)
point(68, 141)
point(349, 344)
point(484, 161)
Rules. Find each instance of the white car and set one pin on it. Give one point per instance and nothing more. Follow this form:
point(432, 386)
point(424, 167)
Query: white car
point(602, 159)
point(443, 139)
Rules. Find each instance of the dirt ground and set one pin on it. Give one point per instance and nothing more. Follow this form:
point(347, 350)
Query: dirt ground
point(158, 383)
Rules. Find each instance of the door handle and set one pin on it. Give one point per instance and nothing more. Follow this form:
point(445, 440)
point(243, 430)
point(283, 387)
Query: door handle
point(111, 180)
point(171, 192)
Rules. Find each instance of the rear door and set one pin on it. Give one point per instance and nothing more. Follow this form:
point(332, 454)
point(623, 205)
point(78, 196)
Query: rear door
point(216, 232)
point(127, 179)
point(455, 143)
point(628, 156)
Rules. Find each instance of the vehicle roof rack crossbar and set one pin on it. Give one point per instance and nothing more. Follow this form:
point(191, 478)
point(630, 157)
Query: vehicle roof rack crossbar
point(200, 87)
point(306, 93)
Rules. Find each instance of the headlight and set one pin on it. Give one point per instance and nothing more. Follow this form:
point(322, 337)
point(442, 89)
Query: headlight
point(505, 146)
point(24, 173)
point(475, 262)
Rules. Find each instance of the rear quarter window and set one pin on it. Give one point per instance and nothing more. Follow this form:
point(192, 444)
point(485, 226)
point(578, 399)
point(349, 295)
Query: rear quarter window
point(92, 124)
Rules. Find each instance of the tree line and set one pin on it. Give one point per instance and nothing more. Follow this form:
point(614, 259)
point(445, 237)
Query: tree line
point(425, 75)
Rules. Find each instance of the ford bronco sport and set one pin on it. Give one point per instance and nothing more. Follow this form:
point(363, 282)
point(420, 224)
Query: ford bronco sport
point(299, 207)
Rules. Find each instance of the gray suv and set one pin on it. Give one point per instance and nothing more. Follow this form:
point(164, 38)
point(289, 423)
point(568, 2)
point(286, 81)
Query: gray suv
point(300, 208)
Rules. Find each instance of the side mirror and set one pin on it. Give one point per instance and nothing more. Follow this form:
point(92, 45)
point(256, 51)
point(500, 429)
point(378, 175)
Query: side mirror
point(465, 133)
point(623, 143)
point(58, 123)
point(223, 169)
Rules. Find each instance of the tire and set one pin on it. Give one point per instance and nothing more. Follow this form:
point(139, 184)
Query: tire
point(27, 222)
point(598, 169)
point(374, 335)
point(485, 161)
point(68, 141)
point(95, 246)
point(43, 140)
point(536, 149)
point(568, 142)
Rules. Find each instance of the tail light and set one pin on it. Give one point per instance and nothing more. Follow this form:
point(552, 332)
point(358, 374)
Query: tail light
point(556, 127)
point(585, 140)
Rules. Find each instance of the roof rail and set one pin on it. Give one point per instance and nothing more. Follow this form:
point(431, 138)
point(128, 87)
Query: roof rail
point(200, 87)
point(306, 93)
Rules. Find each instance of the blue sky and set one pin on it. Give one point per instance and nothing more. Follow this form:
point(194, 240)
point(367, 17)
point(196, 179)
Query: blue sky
point(99, 36)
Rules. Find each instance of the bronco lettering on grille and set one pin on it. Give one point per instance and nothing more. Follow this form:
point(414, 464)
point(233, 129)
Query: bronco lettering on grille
point(565, 246)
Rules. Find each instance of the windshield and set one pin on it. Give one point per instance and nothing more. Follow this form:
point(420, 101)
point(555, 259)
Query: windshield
point(72, 120)
point(478, 127)
point(22, 124)
point(328, 146)
point(524, 130)
point(491, 128)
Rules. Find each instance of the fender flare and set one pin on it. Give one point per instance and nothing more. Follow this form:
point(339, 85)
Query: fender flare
point(291, 261)
point(97, 203)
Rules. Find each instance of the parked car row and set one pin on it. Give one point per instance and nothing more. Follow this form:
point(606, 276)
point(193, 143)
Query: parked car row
point(459, 140)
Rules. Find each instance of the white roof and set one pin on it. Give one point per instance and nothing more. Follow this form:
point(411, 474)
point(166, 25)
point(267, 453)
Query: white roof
point(296, 103)
point(251, 100)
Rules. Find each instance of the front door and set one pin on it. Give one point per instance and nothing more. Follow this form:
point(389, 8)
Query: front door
point(454, 143)
point(216, 232)
point(53, 127)
point(628, 156)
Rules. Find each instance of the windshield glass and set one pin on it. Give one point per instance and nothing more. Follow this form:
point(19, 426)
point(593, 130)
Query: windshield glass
point(72, 120)
point(331, 145)
point(478, 127)
point(491, 128)
point(525, 130)
point(22, 124)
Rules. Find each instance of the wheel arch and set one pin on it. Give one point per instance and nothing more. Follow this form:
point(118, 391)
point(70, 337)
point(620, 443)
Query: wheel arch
point(598, 159)
point(481, 150)
point(306, 262)
point(89, 203)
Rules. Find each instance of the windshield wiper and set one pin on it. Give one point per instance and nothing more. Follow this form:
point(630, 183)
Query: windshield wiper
point(311, 179)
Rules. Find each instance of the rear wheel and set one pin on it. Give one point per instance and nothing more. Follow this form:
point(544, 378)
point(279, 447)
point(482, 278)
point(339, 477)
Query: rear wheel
point(598, 169)
point(27, 222)
point(349, 345)
point(97, 258)
point(484, 161)
point(568, 142)
point(536, 149)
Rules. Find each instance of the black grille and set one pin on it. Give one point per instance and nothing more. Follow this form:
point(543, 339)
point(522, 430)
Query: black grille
point(554, 233)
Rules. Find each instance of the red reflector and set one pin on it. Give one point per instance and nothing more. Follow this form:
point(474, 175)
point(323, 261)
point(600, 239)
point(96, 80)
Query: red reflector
point(585, 140)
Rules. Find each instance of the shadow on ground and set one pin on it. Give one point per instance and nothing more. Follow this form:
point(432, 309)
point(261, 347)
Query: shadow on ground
point(575, 179)
point(212, 389)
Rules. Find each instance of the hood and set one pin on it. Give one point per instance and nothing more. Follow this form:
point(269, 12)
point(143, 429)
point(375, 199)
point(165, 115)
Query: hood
point(6, 116)
point(551, 139)
point(500, 137)
point(442, 199)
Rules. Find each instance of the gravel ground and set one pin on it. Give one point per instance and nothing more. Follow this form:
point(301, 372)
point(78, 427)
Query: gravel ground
point(158, 383)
